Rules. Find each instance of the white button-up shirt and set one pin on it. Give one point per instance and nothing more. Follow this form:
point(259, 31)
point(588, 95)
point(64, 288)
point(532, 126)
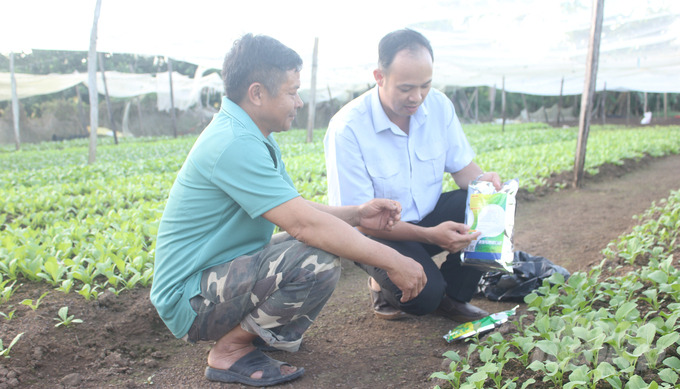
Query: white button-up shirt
point(368, 156)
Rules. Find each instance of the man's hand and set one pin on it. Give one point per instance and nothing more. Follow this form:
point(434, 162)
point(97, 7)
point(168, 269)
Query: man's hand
point(493, 178)
point(379, 214)
point(409, 276)
point(452, 236)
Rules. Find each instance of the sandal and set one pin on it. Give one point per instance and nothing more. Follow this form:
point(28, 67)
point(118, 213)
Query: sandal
point(254, 361)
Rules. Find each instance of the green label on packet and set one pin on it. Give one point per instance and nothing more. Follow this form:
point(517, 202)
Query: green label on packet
point(489, 219)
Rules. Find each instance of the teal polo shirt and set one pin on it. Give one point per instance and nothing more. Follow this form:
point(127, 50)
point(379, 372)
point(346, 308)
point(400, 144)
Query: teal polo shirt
point(232, 175)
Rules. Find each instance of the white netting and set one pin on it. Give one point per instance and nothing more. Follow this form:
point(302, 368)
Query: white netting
point(532, 43)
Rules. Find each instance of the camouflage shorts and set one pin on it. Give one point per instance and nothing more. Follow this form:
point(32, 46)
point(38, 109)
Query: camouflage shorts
point(275, 293)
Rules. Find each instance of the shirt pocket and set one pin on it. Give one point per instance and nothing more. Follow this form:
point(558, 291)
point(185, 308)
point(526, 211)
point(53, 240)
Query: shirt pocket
point(384, 175)
point(431, 158)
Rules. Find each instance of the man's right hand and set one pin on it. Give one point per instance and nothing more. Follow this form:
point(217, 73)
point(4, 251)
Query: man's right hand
point(452, 236)
point(409, 276)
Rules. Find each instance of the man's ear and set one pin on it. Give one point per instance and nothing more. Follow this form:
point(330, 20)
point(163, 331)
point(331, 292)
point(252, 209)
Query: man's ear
point(256, 93)
point(379, 76)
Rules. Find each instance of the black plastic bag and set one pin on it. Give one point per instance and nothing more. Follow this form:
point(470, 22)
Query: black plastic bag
point(528, 274)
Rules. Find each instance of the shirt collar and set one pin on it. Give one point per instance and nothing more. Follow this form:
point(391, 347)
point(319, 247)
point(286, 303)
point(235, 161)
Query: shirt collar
point(381, 122)
point(233, 110)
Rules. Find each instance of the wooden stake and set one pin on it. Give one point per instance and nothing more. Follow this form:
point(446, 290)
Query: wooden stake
point(545, 111)
point(604, 104)
point(644, 110)
point(312, 94)
point(588, 90)
point(628, 109)
point(15, 103)
point(109, 109)
point(665, 105)
point(92, 86)
point(503, 105)
point(172, 100)
point(559, 102)
point(526, 107)
point(476, 104)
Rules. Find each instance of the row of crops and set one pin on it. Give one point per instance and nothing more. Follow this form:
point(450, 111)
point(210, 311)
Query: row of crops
point(596, 330)
point(90, 228)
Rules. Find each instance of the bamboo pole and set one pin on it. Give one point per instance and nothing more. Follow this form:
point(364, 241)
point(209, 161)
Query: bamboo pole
point(476, 104)
point(503, 105)
point(92, 86)
point(312, 94)
point(15, 103)
point(172, 100)
point(109, 108)
point(559, 102)
point(588, 90)
point(604, 104)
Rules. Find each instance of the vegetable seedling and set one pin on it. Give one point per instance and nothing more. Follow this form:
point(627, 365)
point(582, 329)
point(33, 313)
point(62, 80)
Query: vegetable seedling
point(35, 306)
point(5, 351)
point(64, 319)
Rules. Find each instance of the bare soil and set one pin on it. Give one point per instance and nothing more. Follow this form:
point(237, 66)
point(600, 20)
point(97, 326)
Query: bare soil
point(123, 344)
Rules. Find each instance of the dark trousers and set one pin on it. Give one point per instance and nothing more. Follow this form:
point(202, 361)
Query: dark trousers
point(459, 282)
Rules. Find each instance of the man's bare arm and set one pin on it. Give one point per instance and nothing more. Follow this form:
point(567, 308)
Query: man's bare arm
point(376, 214)
point(450, 236)
point(471, 172)
point(327, 232)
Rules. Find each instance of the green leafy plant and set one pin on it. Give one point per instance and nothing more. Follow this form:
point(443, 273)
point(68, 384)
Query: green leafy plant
point(64, 319)
point(8, 316)
point(35, 306)
point(5, 351)
point(6, 291)
point(89, 292)
point(454, 377)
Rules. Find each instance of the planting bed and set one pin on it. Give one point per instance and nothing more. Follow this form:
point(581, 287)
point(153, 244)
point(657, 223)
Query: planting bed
point(122, 343)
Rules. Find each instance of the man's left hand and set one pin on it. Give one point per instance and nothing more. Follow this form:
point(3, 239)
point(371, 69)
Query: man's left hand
point(379, 214)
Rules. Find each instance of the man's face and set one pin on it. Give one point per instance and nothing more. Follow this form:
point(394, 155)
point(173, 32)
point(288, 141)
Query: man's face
point(279, 112)
point(405, 84)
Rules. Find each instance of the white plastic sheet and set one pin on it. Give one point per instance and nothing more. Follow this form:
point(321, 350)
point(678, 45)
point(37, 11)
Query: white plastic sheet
point(186, 91)
point(532, 43)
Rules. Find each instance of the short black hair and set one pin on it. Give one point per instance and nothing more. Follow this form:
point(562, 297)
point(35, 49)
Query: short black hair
point(257, 58)
point(397, 41)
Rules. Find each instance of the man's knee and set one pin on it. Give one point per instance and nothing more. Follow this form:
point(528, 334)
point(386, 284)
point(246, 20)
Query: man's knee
point(427, 300)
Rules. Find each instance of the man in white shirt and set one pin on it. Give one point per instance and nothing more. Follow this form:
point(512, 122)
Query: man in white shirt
point(396, 141)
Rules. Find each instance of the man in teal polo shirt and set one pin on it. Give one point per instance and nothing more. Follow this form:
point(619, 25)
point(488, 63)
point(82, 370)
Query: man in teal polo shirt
point(219, 275)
